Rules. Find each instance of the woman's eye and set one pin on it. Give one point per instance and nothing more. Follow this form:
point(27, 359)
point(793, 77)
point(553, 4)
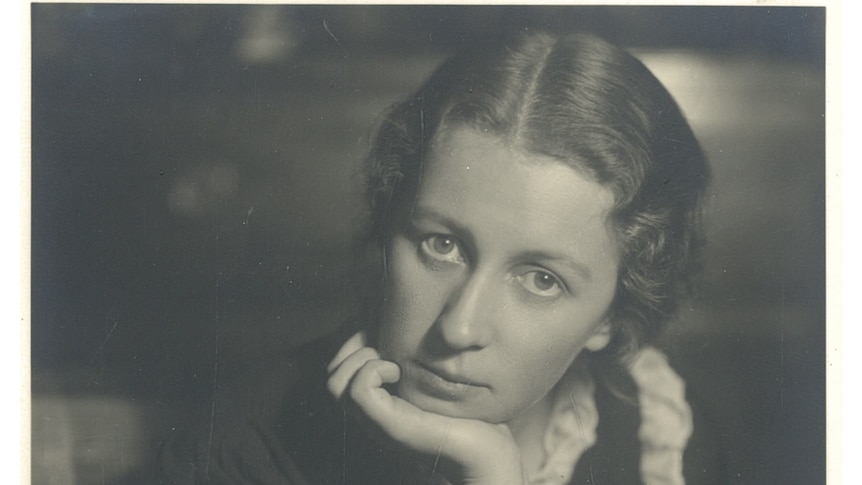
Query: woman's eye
point(442, 248)
point(540, 283)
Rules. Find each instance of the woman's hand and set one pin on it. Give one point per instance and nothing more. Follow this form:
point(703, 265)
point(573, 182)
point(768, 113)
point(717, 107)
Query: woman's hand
point(467, 451)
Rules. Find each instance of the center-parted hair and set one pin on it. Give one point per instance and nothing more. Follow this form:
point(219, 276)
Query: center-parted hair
point(592, 106)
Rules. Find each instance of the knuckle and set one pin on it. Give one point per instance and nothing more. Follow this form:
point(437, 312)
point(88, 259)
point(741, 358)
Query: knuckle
point(355, 392)
point(333, 388)
point(368, 353)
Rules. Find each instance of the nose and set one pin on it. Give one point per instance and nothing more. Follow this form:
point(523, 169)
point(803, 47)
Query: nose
point(466, 321)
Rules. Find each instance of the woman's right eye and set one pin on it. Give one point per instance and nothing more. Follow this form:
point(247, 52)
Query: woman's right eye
point(442, 248)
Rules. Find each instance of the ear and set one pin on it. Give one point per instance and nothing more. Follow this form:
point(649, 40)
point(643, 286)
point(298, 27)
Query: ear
point(600, 338)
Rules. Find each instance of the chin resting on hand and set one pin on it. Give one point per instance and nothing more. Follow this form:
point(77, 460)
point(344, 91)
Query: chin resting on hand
point(467, 451)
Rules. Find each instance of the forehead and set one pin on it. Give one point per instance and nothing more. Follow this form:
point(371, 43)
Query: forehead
point(497, 190)
point(469, 161)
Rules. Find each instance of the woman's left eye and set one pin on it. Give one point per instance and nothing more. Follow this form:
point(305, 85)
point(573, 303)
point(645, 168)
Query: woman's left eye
point(442, 248)
point(540, 283)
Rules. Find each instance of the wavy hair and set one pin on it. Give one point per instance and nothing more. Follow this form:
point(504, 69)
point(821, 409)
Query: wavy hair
point(593, 106)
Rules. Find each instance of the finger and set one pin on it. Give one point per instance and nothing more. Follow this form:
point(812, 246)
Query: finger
point(373, 374)
point(342, 375)
point(354, 343)
point(419, 430)
point(465, 447)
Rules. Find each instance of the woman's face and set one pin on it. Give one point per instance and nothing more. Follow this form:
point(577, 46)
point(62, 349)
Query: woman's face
point(500, 273)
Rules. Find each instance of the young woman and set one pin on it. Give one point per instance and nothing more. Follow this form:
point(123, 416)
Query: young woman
point(534, 215)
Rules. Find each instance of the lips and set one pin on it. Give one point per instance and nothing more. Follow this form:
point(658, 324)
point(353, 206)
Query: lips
point(449, 376)
point(442, 384)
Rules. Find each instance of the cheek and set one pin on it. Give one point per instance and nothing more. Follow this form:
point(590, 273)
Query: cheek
point(395, 317)
point(539, 369)
point(408, 308)
point(537, 356)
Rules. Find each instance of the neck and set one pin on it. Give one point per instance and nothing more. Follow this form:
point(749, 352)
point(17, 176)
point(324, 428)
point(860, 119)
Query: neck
point(528, 429)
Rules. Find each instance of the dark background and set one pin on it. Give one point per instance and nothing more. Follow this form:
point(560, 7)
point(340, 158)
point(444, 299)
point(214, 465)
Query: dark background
point(193, 203)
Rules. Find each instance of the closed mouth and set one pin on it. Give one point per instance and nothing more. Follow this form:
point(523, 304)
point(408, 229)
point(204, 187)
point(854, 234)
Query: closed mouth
point(449, 377)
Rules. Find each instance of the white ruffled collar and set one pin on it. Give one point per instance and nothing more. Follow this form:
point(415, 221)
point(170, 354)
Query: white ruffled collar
point(666, 422)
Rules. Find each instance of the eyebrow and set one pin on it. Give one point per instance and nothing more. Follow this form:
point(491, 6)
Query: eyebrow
point(581, 269)
point(574, 266)
point(460, 230)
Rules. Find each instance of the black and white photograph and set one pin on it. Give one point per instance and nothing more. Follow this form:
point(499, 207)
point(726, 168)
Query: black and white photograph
point(427, 244)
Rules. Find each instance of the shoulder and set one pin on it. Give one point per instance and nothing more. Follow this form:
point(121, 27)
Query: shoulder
point(242, 433)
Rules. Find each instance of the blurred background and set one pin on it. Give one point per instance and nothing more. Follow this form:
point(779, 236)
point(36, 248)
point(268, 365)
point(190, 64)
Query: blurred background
point(194, 199)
